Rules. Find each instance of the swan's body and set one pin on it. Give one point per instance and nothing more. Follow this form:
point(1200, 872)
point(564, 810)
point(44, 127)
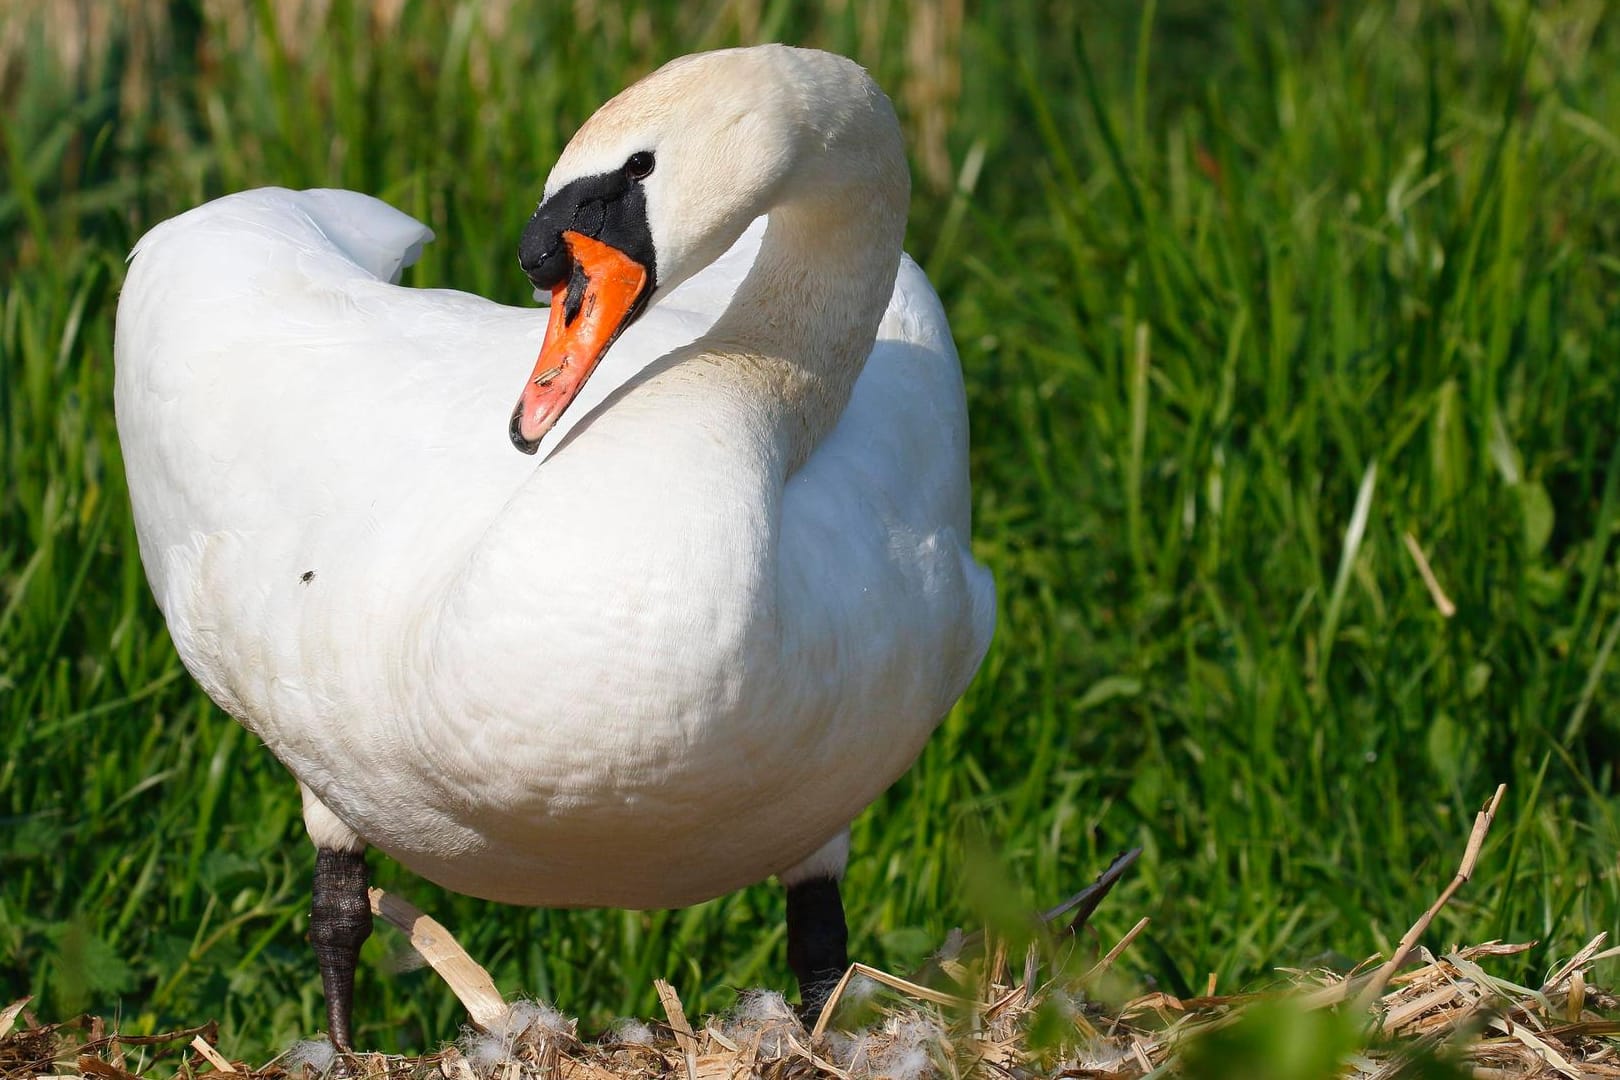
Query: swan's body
point(674, 654)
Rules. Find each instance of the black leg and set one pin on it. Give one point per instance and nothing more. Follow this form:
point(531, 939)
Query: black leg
point(339, 921)
point(817, 941)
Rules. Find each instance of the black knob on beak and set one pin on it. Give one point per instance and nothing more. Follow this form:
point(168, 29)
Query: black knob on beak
point(541, 252)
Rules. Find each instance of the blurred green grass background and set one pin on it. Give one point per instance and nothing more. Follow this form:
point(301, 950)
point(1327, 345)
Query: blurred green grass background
point(1259, 305)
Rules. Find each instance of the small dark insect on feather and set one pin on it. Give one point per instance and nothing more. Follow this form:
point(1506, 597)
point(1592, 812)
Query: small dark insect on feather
point(307, 576)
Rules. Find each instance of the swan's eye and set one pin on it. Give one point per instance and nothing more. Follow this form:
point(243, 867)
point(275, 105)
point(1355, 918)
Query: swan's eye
point(640, 165)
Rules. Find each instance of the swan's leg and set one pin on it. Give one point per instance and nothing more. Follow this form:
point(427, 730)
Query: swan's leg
point(339, 913)
point(817, 938)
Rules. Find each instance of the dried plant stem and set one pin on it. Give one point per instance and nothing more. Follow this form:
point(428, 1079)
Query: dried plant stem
point(1113, 954)
point(905, 986)
point(1442, 602)
point(679, 1024)
point(212, 1056)
point(1374, 987)
point(467, 980)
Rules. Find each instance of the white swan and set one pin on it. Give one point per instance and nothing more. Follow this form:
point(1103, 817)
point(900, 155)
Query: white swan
point(672, 655)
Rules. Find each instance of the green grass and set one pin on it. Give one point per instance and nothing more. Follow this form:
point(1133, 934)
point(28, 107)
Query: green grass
point(1219, 273)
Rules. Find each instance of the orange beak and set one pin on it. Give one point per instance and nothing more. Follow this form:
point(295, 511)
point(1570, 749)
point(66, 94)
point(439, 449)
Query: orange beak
point(584, 322)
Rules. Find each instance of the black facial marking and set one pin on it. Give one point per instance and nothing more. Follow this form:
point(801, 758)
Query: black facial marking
point(307, 576)
point(589, 217)
point(611, 207)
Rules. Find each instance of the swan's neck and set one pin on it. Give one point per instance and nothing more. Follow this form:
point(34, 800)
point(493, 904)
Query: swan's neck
point(788, 349)
point(660, 517)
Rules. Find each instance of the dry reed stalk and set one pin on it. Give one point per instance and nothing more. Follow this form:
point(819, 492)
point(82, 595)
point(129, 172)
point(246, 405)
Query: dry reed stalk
point(678, 1023)
point(1113, 954)
point(1442, 602)
point(466, 978)
point(1465, 871)
point(212, 1056)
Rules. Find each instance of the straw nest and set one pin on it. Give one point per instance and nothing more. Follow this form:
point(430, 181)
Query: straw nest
point(1033, 1014)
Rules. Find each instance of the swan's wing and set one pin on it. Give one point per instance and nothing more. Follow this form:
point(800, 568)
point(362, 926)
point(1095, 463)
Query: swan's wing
point(377, 238)
point(261, 339)
point(352, 228)
point(286, 412)
point(876, 523)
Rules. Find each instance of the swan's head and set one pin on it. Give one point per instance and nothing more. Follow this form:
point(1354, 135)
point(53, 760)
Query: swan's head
point(667, 175)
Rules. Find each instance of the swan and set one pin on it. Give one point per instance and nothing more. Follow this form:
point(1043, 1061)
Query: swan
point(656, 634)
